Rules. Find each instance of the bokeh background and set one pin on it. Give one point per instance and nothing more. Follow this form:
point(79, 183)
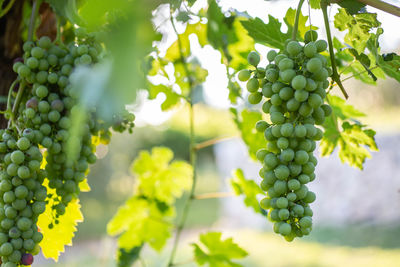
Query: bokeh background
point(356, 215)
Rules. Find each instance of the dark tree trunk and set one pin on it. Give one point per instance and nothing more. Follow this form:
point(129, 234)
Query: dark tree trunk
point(10, 48)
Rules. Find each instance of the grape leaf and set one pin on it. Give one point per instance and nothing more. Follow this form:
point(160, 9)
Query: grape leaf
point(217, 252)
point(248, 188)
point(67, 10)
point(358, 26)
point(239, 50)
point(246, 123)
point(315, 4)
point(128, 257)
point(158, 178)
point(141, 220)
point(302, 28)
point(352, 6)
point(352, 139)
point(171, 97)
point(60, 235)
point(390, 65)
point(268, 34)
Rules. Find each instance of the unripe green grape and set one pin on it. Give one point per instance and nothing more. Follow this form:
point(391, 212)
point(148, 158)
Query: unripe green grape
point(303, 178)
point(52, 78)
point(43, 64)
point(305, 145)
point(268, 134)
point(282, 202)
point(299, 82)
point(17, 157)
point(284, 214)
point(302, 192)
point(266, 106)
point(267, 90)
point(252, 85)
point(300, 131)
point(271, 75)
point(272, 147)
point(6, 249)
point(301, 157)
point(298, 210)
point(293, 48)
point(318, 135)
point(32, 63)
point(243, 75)
point(292, 104)
point(310, 49)
point(255, 98)
point(261, 153)
point(275, 100)
point(269, 177)
point(305, 222)
point(276, 131)
point(271, 193)
point(11, 213)
point(23, 172)
point(277, 86)
point(321, 75)
point(52, 59)
point(310, 36)
point(285, 229)
point(271, 55)
point(37, 52)
point(270, 160)
point(286, 93)
point(274, 215)
point(24, 71)
point(285, 64)
point(311, 130)
point(301, 95)
point(321, 45)
point(44, 42)
point(261, 126)
point(294, 184)
point(287, 155)
point(310, 85)
point(253, 58)
point(319, 116)
point(321, 92)
point(315, 101)
point(280, 187)
point(305, 109)
point(291, 196)
point(287, 75)
point(279, 57)
point(41, 91)
point(282, 172)
point(287, 129)
point(21, 192)
point(283, 143)
point(314, 65)
point(308, 211)
point(327, 110)
point(277, 118)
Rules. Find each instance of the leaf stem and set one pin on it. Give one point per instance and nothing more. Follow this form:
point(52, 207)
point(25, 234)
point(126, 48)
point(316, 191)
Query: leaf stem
point(213, 142)
point(7, 8)
point(354, 75)
point(296, 20)
point(16, 105)
point(335, 75)
point(186, 208)
point(386, 7)
point(214, 195)
point(32, 20)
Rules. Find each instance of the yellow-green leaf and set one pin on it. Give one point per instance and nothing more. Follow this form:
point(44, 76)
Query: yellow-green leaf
point(60, 235)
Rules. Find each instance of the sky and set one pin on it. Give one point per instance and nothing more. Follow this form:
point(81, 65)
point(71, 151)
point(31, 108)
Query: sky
point(215, 87)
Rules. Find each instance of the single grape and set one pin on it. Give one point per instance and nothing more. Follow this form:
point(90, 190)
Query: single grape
point(253, 58)
point(243, 75)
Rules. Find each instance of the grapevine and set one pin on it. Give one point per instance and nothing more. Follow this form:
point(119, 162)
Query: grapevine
point(293, 85)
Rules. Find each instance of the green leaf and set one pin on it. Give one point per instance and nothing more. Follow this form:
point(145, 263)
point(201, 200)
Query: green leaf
point(246, 123)
point(216, 252)
point(315, 4)
point(60, 235)
point(342, 109)
point(248, 188)
point(66, 10)
point(391, 65)
point(358, 27)
point(268, 34)
point(351, 6)
point(302, 27)
point(239, 49)
point(128, 257)
point(142, 221)
point(353, 138)
point(171, 97)
point(159, 178)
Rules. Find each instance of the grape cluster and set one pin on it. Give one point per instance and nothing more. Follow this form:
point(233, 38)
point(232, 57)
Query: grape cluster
point(47, 106)
point(22, 198)
point(293, 85)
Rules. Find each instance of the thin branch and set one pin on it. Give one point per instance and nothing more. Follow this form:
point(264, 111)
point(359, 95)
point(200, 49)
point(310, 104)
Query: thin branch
point(7, 8)
point(296, 20)
point(186, 208)
point(16, 104)
point(386, 7)
point(335, 75)
point(214, 195)
point(213, 142)
point(32, 20)
point(357, 74)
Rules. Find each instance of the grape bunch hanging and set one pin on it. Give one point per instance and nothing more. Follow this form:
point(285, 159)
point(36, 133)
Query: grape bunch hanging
point(293, 85)
point(38, 149)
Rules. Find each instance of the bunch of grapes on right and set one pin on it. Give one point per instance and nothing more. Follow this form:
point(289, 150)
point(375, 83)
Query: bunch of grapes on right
point(293, 90)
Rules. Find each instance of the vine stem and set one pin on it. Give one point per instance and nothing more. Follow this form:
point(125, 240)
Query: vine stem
point(386, 7)
point(32, 20)
point(213, 142)
point(335, 75)
point(186, 208)
point(214, 195)
point(296, 20)
point(7, 8)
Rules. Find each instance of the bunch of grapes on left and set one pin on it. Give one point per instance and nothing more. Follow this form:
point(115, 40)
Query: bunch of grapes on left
point(38, 149)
